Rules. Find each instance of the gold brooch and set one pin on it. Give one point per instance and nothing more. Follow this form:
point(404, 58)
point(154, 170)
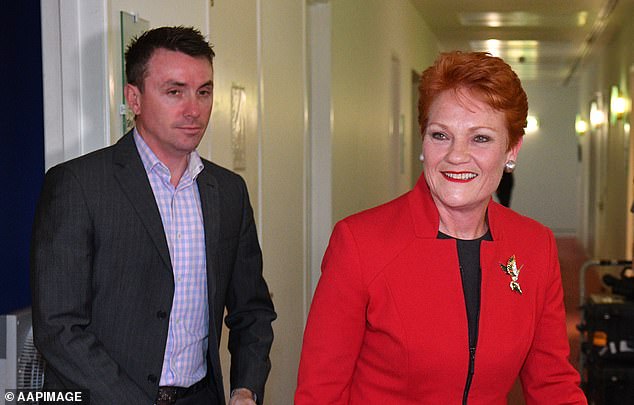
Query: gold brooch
point(511, 269)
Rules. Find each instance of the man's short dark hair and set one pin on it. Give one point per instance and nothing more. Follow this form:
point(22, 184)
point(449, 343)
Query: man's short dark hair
point(187, 40)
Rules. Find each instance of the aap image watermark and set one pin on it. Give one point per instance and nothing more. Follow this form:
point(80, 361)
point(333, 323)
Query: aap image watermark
point(23, 397)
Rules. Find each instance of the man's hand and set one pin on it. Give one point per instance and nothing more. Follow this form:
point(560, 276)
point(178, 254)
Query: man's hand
point(242, 396)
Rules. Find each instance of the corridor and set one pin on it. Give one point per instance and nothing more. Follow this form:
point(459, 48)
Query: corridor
point(328, 126)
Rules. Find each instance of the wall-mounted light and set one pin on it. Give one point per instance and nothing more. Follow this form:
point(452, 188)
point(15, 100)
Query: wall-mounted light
point(581, 125)
point(597, 117)
point(532, 124)
point(618, 105)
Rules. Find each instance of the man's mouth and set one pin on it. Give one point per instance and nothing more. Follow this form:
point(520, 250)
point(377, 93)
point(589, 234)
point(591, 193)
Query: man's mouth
point(190, 128)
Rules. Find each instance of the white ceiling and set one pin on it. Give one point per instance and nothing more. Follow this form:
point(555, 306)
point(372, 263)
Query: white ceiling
point(540, 39)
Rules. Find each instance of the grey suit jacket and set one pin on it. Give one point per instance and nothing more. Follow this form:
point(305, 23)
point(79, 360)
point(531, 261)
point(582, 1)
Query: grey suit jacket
point(102, 280)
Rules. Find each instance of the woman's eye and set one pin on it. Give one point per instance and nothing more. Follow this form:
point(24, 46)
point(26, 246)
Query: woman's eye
point(482, 138)
point(438, 135)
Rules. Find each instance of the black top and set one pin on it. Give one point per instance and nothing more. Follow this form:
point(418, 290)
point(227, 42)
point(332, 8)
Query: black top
point(469, 259)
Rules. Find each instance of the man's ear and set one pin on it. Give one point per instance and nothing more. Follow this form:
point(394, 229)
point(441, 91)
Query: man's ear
point(133, 97)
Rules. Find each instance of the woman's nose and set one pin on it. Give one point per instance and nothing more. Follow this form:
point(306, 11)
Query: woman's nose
point(458, 151)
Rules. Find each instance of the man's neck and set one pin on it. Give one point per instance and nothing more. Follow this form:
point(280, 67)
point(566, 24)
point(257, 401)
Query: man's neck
point(176, 168)
point(176, 162)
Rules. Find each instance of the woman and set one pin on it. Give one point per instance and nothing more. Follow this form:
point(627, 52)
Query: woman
point(443, 296)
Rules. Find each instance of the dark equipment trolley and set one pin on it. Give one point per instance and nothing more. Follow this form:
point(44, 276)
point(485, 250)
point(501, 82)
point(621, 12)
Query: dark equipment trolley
point(606, 359)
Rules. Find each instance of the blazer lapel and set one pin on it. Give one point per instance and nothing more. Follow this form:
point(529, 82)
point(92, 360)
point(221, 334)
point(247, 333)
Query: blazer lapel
point(132, 177)
point(209, 202)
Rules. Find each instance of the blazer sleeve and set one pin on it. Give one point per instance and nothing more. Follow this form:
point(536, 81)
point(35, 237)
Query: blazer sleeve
point(250, 310)
point(547, 376)
point(61, 276)
point(336, 325)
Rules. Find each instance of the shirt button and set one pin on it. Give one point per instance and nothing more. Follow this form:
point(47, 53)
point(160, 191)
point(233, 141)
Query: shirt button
point(178, 235)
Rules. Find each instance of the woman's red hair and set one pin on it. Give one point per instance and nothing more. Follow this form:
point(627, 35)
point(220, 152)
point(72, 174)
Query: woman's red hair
point(487, 76)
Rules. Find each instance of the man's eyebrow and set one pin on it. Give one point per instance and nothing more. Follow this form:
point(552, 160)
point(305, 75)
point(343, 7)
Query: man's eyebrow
point(173, 83)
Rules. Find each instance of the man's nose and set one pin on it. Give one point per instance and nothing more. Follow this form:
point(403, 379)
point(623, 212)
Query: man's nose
point(193, 106)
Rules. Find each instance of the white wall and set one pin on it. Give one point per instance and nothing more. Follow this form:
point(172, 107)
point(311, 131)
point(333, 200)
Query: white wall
point(546, 175)
point(366, 36)
point(283, 173)
point(232, 23)
point(75, 80)
point(260, 46)
point(319, 184)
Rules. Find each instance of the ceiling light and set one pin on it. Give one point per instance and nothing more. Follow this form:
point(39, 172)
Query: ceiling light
point(581, 126)
point(532, 124)
point(618, 105)
point(508, 50)
point(597, 117)
point(523, 19)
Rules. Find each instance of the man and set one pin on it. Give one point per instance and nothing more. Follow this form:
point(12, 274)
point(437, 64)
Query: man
point(140, 247)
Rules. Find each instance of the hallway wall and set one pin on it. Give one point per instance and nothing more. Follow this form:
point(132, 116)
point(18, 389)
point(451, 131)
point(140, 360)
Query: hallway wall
point(366, 36)
point(260, 47)
point(607, 152)
point(545, 178)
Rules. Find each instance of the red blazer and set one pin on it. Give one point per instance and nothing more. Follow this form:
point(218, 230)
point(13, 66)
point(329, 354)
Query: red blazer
point(388, 322)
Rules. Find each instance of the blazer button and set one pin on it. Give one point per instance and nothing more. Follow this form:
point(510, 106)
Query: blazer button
point(152, 378)
point(161, 314)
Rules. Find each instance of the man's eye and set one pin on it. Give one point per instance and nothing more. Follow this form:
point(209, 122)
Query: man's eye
point(204, 93)
point(173, 92)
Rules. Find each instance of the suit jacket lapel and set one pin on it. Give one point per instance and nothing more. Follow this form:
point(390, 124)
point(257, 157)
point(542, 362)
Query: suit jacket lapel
point(210, 205)
point(132, 177)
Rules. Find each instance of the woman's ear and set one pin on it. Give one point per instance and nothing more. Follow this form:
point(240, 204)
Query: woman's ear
point(515, 150)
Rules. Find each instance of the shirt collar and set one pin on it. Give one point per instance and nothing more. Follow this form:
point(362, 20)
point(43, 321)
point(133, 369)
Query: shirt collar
point(151, 161)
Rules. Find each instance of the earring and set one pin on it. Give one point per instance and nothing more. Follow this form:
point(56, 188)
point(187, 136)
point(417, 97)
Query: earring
point(510, 166)
point(421, 157)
